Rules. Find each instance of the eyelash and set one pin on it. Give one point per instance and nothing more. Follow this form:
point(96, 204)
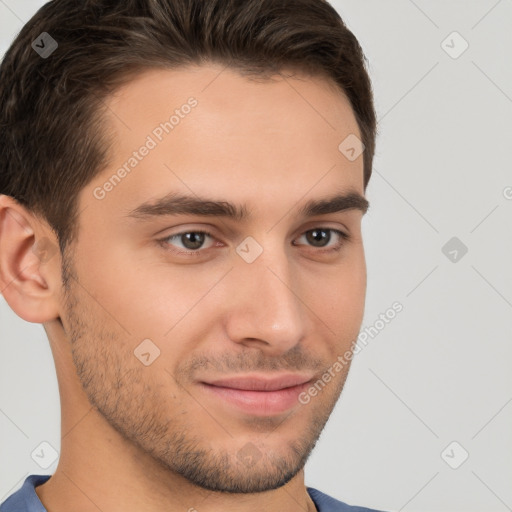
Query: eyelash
point(164, 242)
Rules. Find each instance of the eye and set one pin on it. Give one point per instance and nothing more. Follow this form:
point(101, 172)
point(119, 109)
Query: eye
point(191, 241)
point(321, 238)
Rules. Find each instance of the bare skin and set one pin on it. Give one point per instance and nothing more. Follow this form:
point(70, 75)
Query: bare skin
point(152, 438)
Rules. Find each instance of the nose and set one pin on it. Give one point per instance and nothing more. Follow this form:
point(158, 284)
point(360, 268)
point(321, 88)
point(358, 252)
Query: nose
point(266, 309)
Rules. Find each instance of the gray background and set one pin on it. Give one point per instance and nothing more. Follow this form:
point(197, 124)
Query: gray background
point(440, 371)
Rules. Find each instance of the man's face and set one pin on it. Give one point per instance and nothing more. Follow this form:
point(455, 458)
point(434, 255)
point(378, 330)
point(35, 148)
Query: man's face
point(259, 304)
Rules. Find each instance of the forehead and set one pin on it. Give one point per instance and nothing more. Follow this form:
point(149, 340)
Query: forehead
point(213, 131)
point(145, 93)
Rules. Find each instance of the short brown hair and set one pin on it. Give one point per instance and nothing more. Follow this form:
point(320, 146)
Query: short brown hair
point(51, 132)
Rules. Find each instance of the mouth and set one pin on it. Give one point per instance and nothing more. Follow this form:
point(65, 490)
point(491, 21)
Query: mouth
point(258, 395)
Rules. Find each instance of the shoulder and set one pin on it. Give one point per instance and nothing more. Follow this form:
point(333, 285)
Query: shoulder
point(25, 498)
point(325, 503)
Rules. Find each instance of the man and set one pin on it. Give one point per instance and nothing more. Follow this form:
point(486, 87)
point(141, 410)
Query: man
point(186, 225)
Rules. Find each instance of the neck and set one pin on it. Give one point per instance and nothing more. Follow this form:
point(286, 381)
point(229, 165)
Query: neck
point(105, 472)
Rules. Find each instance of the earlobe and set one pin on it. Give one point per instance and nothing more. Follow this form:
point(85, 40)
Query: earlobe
point(29, 263)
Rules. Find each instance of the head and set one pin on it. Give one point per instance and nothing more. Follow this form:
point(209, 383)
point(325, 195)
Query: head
point(179, 209)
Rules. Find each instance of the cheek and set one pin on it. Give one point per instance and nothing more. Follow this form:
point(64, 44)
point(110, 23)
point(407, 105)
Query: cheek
point(145, 296)
point(339, 300)
point(352, 293)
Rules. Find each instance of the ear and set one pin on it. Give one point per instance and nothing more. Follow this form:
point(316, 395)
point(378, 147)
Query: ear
point(30, 269)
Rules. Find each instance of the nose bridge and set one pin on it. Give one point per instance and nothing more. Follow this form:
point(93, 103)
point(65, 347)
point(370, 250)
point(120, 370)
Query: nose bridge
point(267, 306)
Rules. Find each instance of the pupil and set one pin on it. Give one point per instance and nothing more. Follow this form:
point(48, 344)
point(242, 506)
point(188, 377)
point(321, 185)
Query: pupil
point(192, 240)
point(319, 235)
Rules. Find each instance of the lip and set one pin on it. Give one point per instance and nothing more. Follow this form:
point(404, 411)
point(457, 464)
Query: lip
point(259, 395)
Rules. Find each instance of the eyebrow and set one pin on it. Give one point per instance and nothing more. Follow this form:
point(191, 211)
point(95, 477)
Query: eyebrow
point(179, 204)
